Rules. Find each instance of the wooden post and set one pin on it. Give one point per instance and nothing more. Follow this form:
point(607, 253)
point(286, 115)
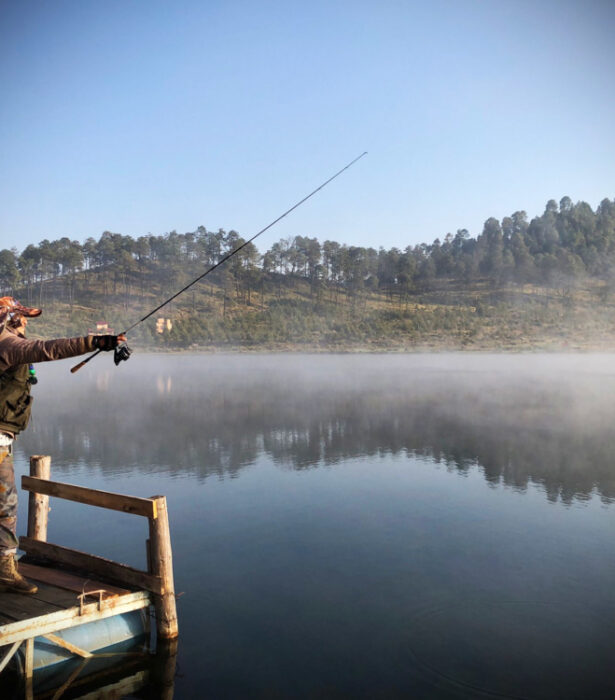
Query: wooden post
point(29, 668)
point(38, 504)
point(162, 565)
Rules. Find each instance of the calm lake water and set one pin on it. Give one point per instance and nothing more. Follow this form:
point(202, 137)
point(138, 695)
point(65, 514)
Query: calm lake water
point(425, 526)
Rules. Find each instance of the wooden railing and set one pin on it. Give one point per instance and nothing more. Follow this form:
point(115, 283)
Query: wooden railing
point(158, 579)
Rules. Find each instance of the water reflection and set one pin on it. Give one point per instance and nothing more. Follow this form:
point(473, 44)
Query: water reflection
point(522, 420)
point(375, 575)
point(135, 672)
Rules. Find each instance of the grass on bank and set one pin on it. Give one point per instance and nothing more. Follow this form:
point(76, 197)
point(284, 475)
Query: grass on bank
point(289, 315)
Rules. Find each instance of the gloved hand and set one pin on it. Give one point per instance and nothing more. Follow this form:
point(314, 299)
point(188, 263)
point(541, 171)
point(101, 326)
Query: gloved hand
point(106, 342)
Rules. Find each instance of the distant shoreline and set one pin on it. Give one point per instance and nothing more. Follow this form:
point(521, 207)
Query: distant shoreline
point(570, 348)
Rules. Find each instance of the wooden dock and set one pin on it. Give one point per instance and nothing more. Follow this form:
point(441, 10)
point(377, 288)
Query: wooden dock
point(77, 588)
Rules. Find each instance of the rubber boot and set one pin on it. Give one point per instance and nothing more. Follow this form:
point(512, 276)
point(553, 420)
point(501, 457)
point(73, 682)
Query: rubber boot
point(11, 581)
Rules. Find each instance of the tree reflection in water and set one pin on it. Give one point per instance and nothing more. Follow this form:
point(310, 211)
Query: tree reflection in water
point(519, 419)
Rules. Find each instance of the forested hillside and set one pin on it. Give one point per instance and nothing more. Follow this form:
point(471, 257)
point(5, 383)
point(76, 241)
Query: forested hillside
point(547, 282)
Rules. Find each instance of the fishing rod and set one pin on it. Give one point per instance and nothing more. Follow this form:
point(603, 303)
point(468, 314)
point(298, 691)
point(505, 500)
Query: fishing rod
point(124, 353)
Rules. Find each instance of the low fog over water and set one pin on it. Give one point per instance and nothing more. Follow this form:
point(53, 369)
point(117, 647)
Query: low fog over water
point(544, 419)
point(425, 526)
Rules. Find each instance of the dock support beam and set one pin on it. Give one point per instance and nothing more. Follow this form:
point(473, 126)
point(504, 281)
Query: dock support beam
point(29, 668)
point(161, 563)
point(38, 504)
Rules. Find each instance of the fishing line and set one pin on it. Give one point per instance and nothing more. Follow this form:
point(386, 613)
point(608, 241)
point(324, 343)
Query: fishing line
point(220, 262)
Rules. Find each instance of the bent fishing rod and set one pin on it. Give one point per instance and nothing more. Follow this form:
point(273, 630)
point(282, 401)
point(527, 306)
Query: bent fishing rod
point(126, 353)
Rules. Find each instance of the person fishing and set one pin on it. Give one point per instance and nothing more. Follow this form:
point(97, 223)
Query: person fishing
point(17, 355)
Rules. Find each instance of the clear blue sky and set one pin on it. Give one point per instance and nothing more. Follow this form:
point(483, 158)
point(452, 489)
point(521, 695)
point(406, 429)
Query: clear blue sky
point(144, 116)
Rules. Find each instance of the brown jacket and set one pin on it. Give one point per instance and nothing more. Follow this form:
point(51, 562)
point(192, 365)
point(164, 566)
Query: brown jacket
point(16, 350)
point(16, 353)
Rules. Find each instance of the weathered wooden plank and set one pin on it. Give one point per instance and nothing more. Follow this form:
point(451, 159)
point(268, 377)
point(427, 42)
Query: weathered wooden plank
point(91, 497)
point(54, 595)
point(21, 607)
point(68, 646)
point(8, 656)
point(73, 617)
point(71, 582)
point(97, 565)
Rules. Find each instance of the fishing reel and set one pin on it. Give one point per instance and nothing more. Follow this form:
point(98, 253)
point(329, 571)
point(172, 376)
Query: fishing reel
point(121, 354)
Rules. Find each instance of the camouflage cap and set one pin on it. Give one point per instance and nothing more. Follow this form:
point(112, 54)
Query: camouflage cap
point(10, 308)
